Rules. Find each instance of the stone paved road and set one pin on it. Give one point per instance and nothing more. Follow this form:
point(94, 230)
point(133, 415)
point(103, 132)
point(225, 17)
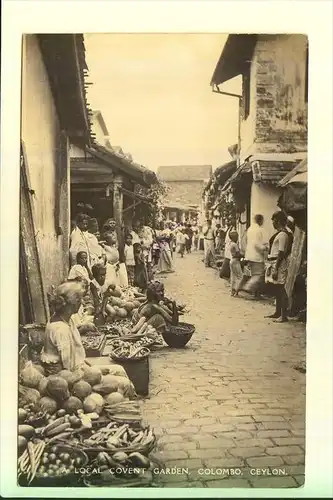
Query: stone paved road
point(231, 399)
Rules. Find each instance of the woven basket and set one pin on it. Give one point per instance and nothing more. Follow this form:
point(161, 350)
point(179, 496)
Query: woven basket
point(178, 336)
point(115, 357)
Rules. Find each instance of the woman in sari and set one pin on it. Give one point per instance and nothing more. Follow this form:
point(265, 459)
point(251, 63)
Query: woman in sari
point(155, 310)
point(165, 263)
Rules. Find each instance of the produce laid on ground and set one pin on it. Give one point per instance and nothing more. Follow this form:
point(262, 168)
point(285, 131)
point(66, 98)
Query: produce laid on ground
point(122, 303)
point(59, 418)
point(91, 418)
point(129, 351)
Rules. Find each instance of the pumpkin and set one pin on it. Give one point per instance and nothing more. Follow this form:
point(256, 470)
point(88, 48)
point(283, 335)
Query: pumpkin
point(129, 306)
point(72, 405)
point(48, 405)
point(93, 403)
point(111, 312)
point(114, 398)
point(42, 388)
point(81, 389)
point(92, 375)
point(116, 301)
point(57, 388)
point(122, 313)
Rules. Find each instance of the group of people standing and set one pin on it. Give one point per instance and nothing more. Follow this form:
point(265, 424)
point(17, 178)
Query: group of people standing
point(263, 262)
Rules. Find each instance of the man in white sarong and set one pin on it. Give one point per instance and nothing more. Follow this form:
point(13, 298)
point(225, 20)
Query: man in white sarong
point(209, 245)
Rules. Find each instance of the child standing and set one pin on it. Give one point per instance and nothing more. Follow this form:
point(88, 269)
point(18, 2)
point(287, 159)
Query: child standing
point(182, 238)
point(236, 273)
point(112, 256)
point(100, 292)
point(140, 271)
point(129, 259)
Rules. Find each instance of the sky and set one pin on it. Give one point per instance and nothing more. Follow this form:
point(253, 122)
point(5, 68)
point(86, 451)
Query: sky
point(155, 97)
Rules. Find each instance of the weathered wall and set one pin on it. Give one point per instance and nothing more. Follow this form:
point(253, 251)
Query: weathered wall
point(278, 109)
point(281, 115)
point(264, 199)
point(185, 192)
point(41, 135)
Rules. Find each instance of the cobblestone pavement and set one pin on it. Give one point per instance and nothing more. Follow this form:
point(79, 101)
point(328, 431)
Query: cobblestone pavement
point(231, 399)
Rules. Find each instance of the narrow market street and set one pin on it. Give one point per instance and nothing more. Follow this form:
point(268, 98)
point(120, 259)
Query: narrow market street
point(231, 398)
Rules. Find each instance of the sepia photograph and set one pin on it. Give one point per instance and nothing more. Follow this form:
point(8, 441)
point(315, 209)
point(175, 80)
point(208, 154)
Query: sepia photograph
point(163, 260)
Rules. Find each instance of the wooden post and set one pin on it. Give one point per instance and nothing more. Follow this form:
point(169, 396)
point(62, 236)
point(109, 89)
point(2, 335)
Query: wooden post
point(118, 212)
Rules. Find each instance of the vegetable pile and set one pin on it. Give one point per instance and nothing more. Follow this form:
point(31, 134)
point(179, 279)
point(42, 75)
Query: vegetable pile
point(129, 351)
point(115, 437)
point(92, 341)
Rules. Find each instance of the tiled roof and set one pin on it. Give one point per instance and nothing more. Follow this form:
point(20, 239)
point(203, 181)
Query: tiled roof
point(271, 172)
point(184, 173)
point(142, 174)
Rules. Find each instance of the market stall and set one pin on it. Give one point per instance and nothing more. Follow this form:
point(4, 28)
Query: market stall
point(86, 428)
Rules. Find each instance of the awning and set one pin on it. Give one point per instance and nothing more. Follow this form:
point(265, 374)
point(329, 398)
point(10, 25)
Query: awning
point(298, 174)
point(270, 171)
point(303, 177)
point(240, 172)
point(237, 52)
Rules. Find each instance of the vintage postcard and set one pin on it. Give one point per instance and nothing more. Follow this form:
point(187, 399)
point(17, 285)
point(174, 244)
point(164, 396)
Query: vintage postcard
point(162, 261)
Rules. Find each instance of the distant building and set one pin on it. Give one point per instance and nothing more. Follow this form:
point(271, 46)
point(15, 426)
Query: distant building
point(186, 184)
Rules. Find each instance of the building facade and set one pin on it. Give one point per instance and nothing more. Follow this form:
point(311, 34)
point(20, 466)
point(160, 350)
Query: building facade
point(185, 186)
point(273, 124)
point(53, 115)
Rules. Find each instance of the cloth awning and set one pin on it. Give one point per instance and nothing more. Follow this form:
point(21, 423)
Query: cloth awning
point(240, 172)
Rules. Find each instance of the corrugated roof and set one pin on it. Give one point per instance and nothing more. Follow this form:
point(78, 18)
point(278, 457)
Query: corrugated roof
point(184, 173)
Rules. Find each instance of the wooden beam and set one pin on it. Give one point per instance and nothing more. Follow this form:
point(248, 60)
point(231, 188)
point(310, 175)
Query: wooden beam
point(86, 180)
point(118, 212)
point(135, 204)
point(29, 249)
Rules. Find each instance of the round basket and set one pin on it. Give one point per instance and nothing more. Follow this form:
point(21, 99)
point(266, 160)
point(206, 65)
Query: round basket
point(116, 357)
point(178, 336)
point(66, 478)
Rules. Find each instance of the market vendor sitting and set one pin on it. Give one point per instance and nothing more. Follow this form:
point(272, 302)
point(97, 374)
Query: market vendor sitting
point(157, 313)
point(63, 349)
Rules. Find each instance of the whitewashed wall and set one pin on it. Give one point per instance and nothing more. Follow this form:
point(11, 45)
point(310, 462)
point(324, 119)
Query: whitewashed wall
point(40, 133)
